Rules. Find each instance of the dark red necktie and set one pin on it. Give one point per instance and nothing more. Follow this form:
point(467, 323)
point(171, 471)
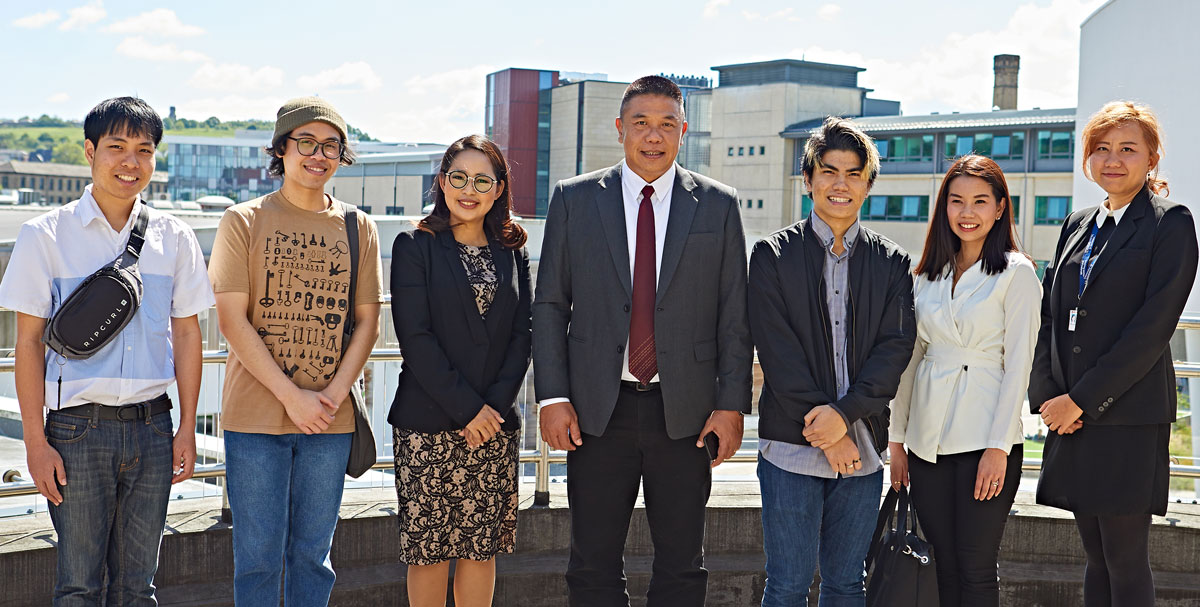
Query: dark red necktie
point(643, 363)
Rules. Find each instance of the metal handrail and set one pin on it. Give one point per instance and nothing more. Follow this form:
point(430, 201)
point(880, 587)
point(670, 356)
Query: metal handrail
point(542, 457)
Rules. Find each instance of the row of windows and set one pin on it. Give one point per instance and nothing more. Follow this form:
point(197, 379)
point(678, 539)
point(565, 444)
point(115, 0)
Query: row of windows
point(39, 183)
point(750, 203)
point(742, 150)
point(1048, 210)
point(998, 146)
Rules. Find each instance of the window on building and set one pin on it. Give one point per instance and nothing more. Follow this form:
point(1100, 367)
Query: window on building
point(23, 181)
point(896, 208)
point(915, 148)
point(751, 150)
point(806, 205)
point(749, 204)
point(1051, 210)
point(741, 151)
point(760, 203)
point(997, 146)
point(1056, 144)
point(1016, 208)
point(731, 150)
point(4, 181)
point(762, 149)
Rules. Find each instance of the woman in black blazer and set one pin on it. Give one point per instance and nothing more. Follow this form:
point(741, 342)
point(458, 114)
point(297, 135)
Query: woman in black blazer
point(461, 306)
point(1102, 377)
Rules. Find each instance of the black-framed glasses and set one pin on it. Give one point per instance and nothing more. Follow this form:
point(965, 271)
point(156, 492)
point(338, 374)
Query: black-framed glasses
point(308, 146)
point(482, 183)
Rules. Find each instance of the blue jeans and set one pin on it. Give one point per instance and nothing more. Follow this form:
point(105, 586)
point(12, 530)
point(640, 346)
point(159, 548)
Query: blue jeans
point(114, 506)
point(284, 494)
point(807, 520)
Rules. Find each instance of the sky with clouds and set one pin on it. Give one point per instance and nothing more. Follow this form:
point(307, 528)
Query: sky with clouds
point(415, 71)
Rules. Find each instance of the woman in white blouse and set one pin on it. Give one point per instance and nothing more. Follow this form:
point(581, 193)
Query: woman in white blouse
point(958, 408)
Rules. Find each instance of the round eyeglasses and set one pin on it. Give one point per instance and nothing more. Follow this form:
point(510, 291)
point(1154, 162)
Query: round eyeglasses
point(307, 147)
point(482, 183)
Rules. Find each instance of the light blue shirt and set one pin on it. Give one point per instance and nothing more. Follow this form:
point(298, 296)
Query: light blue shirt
point(56, 251)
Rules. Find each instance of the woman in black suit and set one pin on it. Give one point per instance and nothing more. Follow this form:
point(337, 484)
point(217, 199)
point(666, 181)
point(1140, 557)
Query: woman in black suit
point(461, 306)
point(1102, 377)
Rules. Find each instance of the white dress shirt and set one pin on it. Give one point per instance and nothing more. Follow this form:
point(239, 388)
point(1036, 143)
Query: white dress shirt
point(965, 385)
point(660, 202)
point(56, 251)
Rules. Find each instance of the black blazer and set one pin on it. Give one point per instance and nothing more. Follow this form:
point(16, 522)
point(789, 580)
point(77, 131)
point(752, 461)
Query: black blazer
point(1116, 365)
point(790, 325)
point(455, 361)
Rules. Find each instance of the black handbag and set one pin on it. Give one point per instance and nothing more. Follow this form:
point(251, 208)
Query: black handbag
point(362, 442)
point(900, 561)
point(93, 314)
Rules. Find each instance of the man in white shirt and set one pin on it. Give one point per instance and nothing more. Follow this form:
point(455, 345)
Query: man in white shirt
point(109, 427)
point(641, 350)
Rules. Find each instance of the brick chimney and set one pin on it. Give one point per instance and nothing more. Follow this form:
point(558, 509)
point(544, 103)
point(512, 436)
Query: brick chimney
point(1004, 92)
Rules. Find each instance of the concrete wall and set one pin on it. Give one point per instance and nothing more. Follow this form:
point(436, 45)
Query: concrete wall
point(381, 191)
point(564, 127)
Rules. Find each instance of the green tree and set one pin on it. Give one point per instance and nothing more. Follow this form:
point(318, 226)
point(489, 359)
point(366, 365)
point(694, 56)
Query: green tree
point(69, 153)
point(45, 138)
point(26, 142)
point(7, 141)
point(212, 122)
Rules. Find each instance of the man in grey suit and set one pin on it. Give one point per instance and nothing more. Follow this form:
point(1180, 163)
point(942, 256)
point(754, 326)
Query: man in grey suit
point(641, 349)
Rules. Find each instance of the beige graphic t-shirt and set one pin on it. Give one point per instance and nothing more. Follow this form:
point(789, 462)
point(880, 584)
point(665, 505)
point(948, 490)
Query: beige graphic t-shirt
point(295, 265)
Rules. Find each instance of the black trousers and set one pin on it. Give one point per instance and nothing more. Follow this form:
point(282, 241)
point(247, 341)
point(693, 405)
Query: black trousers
point(1118, 560)
point(602, 486)
point(965, 532)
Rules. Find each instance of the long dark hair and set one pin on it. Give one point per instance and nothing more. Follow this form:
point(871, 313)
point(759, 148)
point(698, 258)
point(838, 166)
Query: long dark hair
point(498, 222)
point(941, 244)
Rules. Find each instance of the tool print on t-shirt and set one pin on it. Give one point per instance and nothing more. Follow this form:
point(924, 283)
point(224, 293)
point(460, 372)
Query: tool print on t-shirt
point(304, 301)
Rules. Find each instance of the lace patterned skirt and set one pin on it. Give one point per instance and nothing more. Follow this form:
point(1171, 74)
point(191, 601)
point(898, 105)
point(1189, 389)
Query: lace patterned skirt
point(454, 502)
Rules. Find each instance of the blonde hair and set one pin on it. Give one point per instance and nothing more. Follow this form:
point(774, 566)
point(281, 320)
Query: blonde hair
point(1118, 113)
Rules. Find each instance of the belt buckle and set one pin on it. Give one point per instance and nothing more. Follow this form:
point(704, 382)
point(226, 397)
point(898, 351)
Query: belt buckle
point(138, 410)
point(640, 387)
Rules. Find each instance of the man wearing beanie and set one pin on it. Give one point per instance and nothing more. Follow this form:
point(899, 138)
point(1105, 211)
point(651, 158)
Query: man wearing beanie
point(280, 268)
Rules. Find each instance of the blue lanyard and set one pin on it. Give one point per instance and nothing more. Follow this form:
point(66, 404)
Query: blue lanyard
point(1085, 268)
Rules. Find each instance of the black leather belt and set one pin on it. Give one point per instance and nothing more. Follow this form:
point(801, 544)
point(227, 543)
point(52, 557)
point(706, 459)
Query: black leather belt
point(125, 413)
point(638, 386)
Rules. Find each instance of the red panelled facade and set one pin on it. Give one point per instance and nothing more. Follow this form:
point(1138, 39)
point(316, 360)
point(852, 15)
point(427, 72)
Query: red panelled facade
point(511, 120)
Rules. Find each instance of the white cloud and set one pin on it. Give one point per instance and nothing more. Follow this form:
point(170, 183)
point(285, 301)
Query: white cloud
point(712, 8)
point(139, 48)
point(439, 107)
point(161, 22)
point(235, 77)
point(37, 20)
point(829, 12)
point(350, 75)
point(775, 16)
point(58, 98)
point(955, 73)
point(83, 16)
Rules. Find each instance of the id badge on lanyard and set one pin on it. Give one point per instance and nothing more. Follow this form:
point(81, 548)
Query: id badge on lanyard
point(1085, 272)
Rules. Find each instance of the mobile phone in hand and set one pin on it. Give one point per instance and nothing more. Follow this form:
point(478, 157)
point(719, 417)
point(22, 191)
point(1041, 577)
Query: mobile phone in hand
point(711, 444)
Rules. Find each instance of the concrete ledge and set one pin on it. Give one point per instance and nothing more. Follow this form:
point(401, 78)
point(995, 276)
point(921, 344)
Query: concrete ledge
point(1041, 557)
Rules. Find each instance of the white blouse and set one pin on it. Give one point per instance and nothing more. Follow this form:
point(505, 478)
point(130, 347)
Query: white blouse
point(965, 386)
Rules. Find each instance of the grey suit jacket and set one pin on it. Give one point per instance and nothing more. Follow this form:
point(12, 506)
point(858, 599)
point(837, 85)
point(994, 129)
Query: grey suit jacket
point(581, 306)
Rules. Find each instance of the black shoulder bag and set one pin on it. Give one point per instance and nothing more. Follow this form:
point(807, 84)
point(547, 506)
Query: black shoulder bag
point(102, 304)
point(903, 573)
point(362, 442)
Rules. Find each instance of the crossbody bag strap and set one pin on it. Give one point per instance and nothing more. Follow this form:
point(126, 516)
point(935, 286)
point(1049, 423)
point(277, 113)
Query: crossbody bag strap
point(137, 237)
point(350, 215)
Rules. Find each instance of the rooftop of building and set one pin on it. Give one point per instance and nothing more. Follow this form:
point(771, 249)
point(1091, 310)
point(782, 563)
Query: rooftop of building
point(945, 122)
point(798, 71)
point(55, 169)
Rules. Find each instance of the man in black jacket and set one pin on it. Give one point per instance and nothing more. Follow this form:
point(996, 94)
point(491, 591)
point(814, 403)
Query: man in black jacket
point(831, 313)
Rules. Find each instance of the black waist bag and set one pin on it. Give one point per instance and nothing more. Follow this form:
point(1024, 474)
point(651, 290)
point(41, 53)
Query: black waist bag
point(102, 304)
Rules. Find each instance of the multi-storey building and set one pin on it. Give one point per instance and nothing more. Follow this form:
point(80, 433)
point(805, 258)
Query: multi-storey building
point(1035, 148)
point(52, 183)
point(390, 183)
